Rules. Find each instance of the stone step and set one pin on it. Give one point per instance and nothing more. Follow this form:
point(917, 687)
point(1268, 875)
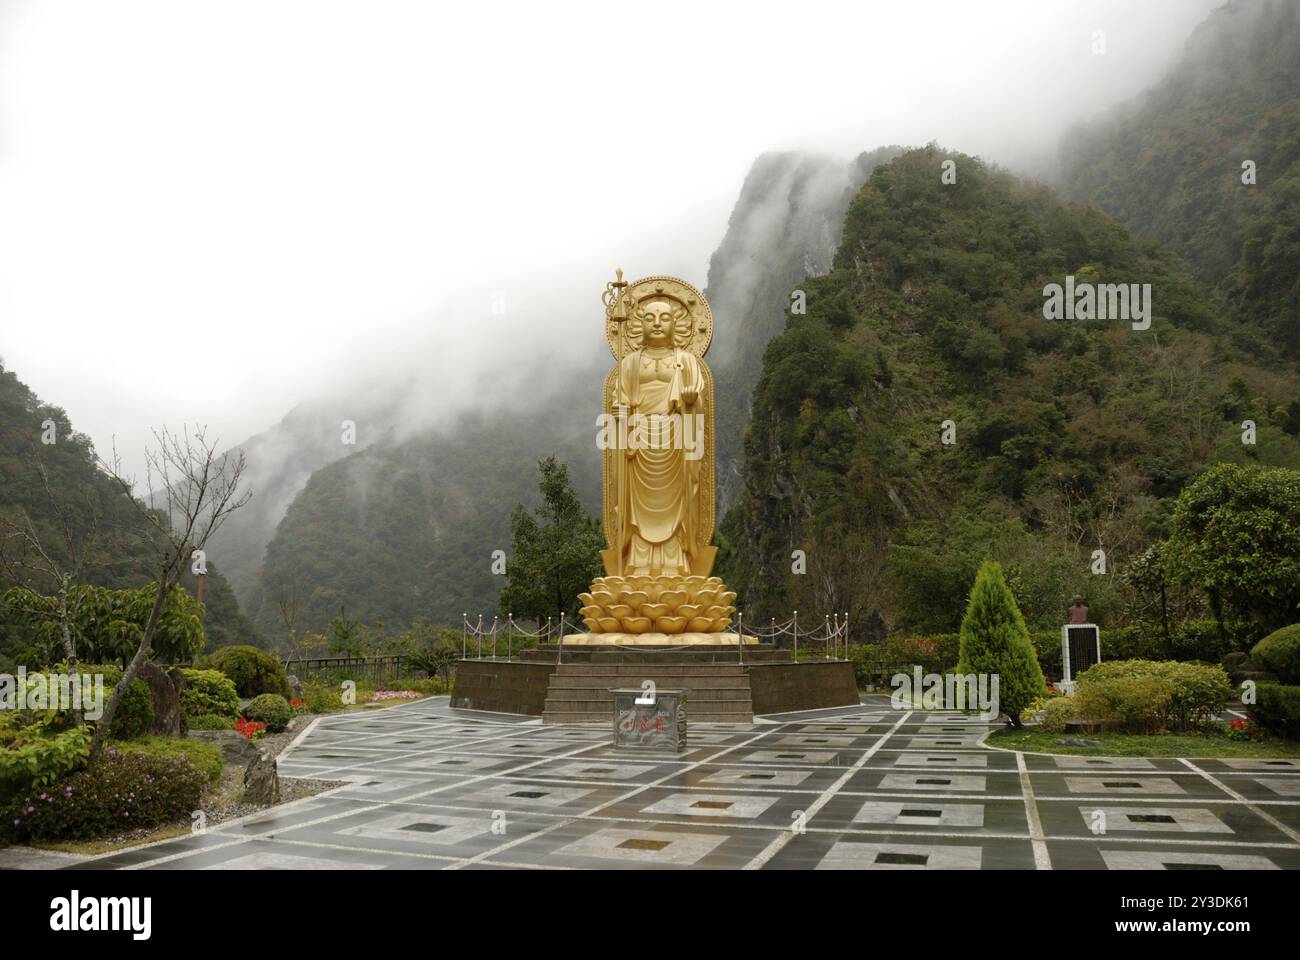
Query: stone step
point(648, 669)
point(662, 680)
point(605, 721)
point(694, 693)
point(604, 708)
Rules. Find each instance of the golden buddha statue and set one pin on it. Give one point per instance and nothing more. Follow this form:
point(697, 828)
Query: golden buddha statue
point(657, 436)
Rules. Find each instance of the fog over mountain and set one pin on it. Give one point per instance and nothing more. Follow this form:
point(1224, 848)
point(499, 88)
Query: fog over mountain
point(395, 235)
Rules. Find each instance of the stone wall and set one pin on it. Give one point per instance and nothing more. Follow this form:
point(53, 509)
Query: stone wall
point(506, 686)
point(808, 685)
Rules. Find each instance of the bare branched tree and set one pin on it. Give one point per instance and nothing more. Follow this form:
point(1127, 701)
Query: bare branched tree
point(191, 492)
point(290, 616)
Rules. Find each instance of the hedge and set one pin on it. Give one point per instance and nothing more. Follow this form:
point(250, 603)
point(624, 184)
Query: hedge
point(1189, 695)
point(1277, 709)
point(120, 791)
point(270, 709)
point(203, 756)
point(209, 693)
point(253, 671)
point(1280, 653)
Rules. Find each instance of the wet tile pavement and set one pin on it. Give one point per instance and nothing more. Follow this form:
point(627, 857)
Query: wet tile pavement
point(862, 787)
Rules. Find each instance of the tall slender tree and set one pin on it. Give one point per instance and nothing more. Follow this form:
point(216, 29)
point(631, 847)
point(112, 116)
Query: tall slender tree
point(554, 553)
point(995, 641)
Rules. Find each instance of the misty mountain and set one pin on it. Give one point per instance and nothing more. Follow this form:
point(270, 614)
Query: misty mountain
point(403, 532)
point(1169, 164)
point(786, 226)
point(925, 413)
point(280, 462)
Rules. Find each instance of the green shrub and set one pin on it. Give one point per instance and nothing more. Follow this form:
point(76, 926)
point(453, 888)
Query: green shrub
point(1277, 709)
point(1235, 661)
point(203, 756)
point(436, 660)
point(1047, 647)
point(875, 663)
point(209, 692)
point(1142, 641)
point(430, 686)
point(253, 671)
point(1057, 713)
point(1129, 704)
point(1196, 691)
point(1207, 640)
point(270, 709)
point(134, 714)
point(33, 755)
point(322, 698)
point(1279, 652)
point(120, 791)
point(209, 721)
point(994, 640)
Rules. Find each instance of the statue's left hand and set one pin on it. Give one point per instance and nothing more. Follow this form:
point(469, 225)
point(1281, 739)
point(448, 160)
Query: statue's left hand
point(688, 396)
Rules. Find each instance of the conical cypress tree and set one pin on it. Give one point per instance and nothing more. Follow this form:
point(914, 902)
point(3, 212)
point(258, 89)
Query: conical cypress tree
point(995, 640)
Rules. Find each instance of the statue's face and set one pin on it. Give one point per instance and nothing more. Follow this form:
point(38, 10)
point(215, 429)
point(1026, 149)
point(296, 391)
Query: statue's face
point(658, 326)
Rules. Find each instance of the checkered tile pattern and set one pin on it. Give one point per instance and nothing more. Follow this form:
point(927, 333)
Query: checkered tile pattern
point(864, 787)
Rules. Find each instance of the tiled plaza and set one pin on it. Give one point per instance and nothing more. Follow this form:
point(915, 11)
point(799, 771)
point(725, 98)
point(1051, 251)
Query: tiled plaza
point(861, 787)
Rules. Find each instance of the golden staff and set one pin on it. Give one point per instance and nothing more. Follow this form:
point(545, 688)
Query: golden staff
point(616, 312)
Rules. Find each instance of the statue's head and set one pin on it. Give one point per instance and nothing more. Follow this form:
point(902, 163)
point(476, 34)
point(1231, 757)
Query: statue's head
point(660, 322)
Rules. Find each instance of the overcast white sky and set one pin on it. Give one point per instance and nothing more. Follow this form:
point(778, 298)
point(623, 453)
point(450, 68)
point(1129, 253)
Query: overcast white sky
point(212, 210)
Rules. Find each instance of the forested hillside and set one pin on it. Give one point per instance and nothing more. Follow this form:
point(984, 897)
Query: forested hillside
point(397, 533)
point(79, 490)
point(1170, 163)
point(1069, 435)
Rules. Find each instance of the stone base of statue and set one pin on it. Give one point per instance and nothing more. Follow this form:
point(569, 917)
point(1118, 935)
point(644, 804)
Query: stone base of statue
point(727, 682)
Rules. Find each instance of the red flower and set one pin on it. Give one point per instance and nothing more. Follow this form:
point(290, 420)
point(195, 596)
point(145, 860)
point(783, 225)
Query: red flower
point(249, 729)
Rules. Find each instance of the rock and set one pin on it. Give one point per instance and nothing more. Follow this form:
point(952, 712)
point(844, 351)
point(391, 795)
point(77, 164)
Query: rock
point(165, 692)
point(1077, 742)
point(235, 748)
point(261, 780)
point(296, 686)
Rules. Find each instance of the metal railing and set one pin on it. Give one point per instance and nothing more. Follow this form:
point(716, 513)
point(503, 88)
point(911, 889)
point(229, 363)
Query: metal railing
point(829, 640)
point(377, 669)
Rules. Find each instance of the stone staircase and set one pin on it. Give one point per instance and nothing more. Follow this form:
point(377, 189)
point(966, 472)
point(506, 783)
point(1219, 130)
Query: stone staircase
point(716, 683)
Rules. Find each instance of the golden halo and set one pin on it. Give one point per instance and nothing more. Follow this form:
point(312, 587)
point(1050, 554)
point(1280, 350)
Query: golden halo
point(672, 289)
